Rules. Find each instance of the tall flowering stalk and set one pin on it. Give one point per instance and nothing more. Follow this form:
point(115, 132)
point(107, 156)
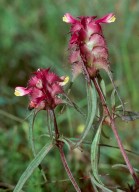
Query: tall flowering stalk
point(45, 91)
point(89, 54)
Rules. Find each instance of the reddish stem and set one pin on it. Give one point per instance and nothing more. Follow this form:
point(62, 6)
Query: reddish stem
point(65, 164)
point(60, 145)
point(114, 129)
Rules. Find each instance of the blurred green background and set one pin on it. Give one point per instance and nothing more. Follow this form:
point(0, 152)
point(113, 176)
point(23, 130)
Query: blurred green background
point(32, 36)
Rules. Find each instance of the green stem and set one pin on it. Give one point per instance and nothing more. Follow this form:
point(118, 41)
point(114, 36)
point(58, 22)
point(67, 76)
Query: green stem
point(55, 126)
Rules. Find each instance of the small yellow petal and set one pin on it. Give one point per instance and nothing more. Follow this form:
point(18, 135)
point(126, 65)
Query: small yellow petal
point(112, 19)
point(17, 93)
point(65, 19)
point(66, 80)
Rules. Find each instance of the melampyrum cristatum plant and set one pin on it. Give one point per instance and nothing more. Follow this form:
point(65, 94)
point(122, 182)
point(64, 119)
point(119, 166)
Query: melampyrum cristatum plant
point(88, 53)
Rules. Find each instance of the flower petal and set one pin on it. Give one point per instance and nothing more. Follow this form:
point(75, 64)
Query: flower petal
point(109, 18)
point(21, 91)
point(69, 19)
point(65, 80)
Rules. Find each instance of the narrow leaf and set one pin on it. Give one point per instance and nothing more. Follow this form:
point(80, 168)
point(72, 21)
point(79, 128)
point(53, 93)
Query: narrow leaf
point(92, 105)
point(95, 158)
point(31, 140)
point(103, 87)
point(32, 166)
point(93, 180)
point(67, 142)
point(49, 124)
point(95, 153)
point(113, 98)
point(124, 166)
point(112, 81)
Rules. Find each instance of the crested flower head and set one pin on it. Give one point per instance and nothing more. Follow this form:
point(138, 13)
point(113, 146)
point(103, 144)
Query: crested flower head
point(88, 49)
point(43, 89)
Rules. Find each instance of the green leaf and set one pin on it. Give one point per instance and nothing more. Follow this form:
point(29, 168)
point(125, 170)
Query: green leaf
point(116, 91)
point(92, 106)
point(67, 142)
point(31, 140)
point(95, 153)
point(113, 98)
point(49, 122)
point(103, 87)
point(124, 166)
point(93, 180)
point(115, 147)
point(32, 166)
point(95, 158)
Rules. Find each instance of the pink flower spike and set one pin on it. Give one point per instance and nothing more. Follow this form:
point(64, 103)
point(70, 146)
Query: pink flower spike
point(87, 45)
point(109, 18)
point(69, 19)
point(21, 91)
point(43, 89)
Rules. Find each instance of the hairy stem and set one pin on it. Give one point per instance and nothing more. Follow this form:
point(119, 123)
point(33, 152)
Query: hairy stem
point(65, 164)
point(60, 145)
point(114, 129)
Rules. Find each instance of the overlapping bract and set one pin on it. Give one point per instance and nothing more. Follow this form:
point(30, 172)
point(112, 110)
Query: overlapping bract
point(88, 49)
point(43, 89)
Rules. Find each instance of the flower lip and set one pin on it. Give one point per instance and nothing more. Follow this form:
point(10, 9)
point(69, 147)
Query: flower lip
point(21, 91)
point(65, 80)
point(109, 18)
point(69, 19)
point(112, 19)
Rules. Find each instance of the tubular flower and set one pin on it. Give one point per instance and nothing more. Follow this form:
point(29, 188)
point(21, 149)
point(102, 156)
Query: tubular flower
point(43, 89)
point(88, 49)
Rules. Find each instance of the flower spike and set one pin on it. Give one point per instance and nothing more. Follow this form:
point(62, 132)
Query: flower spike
point(87, 45)
point(43, 89)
